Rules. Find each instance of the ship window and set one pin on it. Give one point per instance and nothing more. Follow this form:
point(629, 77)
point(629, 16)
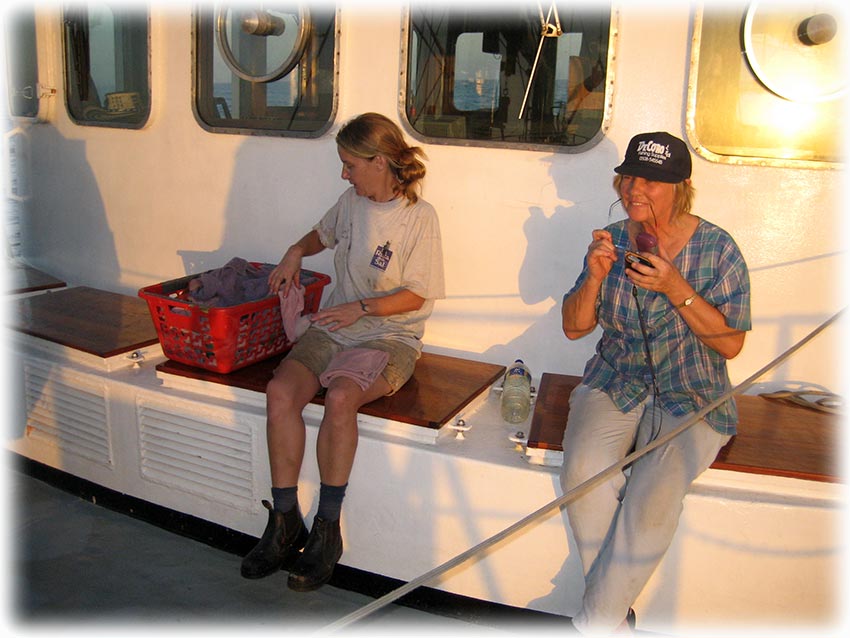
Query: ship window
point(22, 64)
point(107, 79)
point(768, 85)
point(266, 71)
point(529, 75)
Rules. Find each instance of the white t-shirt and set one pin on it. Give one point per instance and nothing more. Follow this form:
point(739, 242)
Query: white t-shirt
point(381, 248)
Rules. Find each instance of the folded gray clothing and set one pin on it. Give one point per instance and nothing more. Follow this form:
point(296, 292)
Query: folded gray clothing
point(238, 281)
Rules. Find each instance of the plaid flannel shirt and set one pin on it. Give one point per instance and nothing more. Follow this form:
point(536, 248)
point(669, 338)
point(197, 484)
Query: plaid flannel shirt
point(689, 374)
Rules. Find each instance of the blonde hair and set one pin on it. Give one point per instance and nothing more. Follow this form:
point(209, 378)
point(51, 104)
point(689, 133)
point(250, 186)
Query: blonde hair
point(683, 195)
point(372, 134)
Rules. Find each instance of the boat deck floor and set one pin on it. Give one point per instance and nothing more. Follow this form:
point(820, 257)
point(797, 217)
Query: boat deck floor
point(78, 562)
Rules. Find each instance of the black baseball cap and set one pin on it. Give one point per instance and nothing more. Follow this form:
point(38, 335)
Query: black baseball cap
point(658, 156)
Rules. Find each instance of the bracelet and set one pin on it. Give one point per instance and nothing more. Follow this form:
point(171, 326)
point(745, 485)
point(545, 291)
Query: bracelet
point(363, 306)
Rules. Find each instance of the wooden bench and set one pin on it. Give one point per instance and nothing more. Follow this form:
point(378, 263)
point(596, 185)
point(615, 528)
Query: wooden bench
point(774, 437)
point(440, 388)
point(106, 324)
point(94, 321)
point(26, 279)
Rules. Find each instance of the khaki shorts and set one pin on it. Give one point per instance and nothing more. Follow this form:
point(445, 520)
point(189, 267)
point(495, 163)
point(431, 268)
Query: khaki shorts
point(316, 348)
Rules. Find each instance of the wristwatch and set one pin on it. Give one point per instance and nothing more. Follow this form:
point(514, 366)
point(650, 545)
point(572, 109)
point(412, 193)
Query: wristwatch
point(687, 302)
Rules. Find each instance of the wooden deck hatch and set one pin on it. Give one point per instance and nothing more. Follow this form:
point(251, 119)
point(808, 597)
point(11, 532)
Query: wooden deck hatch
point(440, 388)
point(24, 279)
point(773, 437)
point(94, 321)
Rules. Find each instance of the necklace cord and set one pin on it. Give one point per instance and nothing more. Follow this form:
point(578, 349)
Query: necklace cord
point(648, 353)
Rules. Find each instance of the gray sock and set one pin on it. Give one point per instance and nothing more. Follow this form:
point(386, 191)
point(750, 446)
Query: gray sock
point(330, 501)
point(285, 498)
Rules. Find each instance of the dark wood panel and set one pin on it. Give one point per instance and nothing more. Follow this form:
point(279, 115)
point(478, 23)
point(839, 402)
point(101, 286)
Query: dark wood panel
point(440, 388)
point(774, 437)
point(24, 279)
point(94, 321)
point(551, 408)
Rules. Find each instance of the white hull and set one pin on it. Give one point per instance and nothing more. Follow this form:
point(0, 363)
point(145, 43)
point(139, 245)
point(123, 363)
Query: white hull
point(752, 551)
point(120, 209)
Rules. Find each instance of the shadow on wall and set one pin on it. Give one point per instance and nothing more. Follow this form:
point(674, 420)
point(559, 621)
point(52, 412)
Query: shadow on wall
point(270, 207)
point(66, 232)
point(557, 241)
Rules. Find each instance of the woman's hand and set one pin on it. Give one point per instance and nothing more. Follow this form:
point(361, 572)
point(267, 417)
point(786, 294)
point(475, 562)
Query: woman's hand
point(662, 277)
point(601, 255)
point(340, 316)
point(706, 321)
point(345, 314)
point(578, 311)
point(286, 272)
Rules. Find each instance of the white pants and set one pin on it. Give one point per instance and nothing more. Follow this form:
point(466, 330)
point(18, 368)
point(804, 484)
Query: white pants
point(624, 526)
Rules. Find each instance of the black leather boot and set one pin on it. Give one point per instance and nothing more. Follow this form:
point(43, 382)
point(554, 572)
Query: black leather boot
point(278, 548)
point(316, 563)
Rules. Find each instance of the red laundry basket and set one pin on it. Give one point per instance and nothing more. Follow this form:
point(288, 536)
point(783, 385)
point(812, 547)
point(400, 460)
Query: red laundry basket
point(223, 339)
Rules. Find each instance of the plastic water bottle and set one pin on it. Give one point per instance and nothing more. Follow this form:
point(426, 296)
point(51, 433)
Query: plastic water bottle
point(516, 393)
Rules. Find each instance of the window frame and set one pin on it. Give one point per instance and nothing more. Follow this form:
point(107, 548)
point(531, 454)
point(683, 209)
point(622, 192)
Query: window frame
point(22, 75)
point(67, 79)
point(198, 23)
point(605, 124)
point(691, 116)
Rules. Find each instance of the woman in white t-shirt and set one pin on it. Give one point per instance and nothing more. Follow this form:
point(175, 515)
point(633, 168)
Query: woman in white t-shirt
point(363, 345)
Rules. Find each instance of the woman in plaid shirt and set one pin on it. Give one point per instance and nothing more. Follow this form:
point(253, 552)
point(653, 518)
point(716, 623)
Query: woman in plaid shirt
point(668, 326)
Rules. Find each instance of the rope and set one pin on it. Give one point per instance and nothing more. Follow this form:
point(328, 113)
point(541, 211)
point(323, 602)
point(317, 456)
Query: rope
point(828, 402)
point(547, 30)
point(573, 494)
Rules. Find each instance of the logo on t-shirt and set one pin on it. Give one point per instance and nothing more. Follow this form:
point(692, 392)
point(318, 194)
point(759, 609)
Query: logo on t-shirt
point(382, 256)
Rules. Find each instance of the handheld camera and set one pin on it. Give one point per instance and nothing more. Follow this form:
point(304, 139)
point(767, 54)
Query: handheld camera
point(646, 243)
point(633, 258)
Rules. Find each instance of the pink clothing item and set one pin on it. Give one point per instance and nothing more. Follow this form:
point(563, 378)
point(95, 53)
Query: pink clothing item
point(362, 365)
point(291, 307)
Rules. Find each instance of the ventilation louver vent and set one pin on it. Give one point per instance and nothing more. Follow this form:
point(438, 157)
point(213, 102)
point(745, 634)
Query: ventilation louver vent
point(199, 457)
point(68, 412)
